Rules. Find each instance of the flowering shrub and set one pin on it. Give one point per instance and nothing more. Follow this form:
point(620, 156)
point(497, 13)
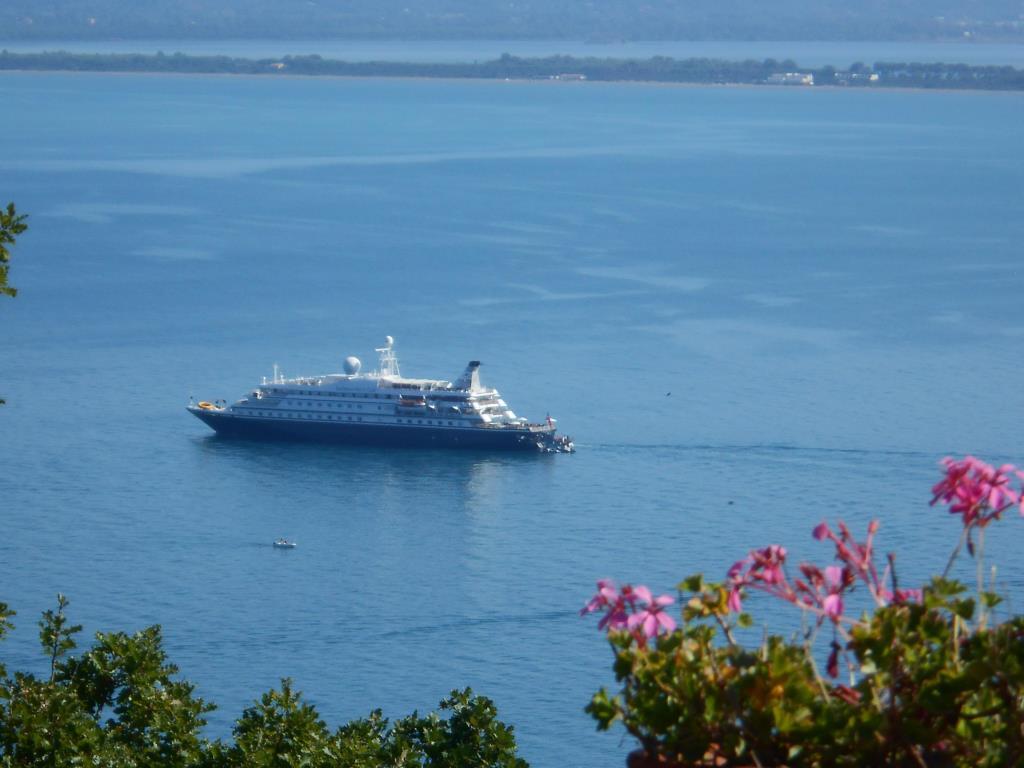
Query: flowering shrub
point(927, 678)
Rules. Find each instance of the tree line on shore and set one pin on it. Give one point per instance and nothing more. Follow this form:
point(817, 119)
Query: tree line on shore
point(657, 69)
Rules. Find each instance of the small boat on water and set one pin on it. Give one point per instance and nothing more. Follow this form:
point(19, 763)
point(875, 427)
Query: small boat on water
point(285, 544)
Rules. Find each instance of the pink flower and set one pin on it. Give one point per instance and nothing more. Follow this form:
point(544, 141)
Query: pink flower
point(609, 599)
point(761, 569)
point(832, 665)
point(834, 581)
point(821, 530)
point(767, 564)
point(735, 600)
point(833, 606)
point(652, 619)
point(977, 491)
point(845, 692)
point(606, 593)
point(738, 566)
point(833, 577)
point(904, 596)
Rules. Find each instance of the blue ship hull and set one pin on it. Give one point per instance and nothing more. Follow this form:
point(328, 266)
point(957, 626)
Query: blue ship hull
point(362, 433)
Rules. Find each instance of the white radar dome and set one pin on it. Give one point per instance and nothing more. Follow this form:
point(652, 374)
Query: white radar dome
point(352, 365)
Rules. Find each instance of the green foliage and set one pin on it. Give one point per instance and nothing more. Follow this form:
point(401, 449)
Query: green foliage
point(932, 685)
point(55, 634)
point(6, 625)
point(120, 704)
point(282, 731)
point(940, 688)
point(153, 716)
point(11, 225)
point(44, 724)
point(694, 699)
point(471, 735)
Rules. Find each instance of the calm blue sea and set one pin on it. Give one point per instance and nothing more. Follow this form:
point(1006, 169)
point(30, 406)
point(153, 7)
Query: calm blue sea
point(752, 308)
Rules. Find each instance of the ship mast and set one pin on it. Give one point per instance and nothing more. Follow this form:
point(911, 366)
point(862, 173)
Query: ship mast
point(388, 361)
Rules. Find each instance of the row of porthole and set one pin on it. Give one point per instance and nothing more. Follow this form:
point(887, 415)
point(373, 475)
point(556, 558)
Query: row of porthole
point(340, 405)
point(304, 416)
point(339, 394)
point(329, 405)
point(358, 418)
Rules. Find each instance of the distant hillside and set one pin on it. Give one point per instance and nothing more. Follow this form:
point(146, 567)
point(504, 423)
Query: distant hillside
point(595, 20)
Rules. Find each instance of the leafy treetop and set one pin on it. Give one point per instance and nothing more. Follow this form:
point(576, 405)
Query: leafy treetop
point(121, 704)
point(11, 225)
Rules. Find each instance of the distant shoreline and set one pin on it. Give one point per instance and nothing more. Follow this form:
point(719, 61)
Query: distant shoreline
point(496, 82)
point(808, 53)
point(659, 70)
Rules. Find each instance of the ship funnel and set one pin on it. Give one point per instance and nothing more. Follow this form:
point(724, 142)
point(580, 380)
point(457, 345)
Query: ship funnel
point(470, 378)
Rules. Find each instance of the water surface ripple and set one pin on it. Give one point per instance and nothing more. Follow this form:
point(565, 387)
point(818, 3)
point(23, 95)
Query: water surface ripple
point(754, 309)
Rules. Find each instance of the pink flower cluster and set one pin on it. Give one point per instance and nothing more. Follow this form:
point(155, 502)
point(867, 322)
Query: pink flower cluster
point(819, 590)
point(973, 489)
point(633, 609)
point(977, 491)
point(762, 569)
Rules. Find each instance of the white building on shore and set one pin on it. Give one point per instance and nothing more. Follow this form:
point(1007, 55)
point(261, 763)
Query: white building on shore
point(791, 78)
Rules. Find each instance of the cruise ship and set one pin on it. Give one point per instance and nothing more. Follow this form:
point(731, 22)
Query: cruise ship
point(381, 408)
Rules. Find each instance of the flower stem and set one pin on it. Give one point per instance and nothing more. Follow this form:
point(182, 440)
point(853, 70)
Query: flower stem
point(956, 551)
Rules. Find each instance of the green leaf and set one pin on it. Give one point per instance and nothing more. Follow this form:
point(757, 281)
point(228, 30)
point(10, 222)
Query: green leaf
point(693, 583)
point(11, 225)
point(964, 608)
point(5, 615)
point(990, 599)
